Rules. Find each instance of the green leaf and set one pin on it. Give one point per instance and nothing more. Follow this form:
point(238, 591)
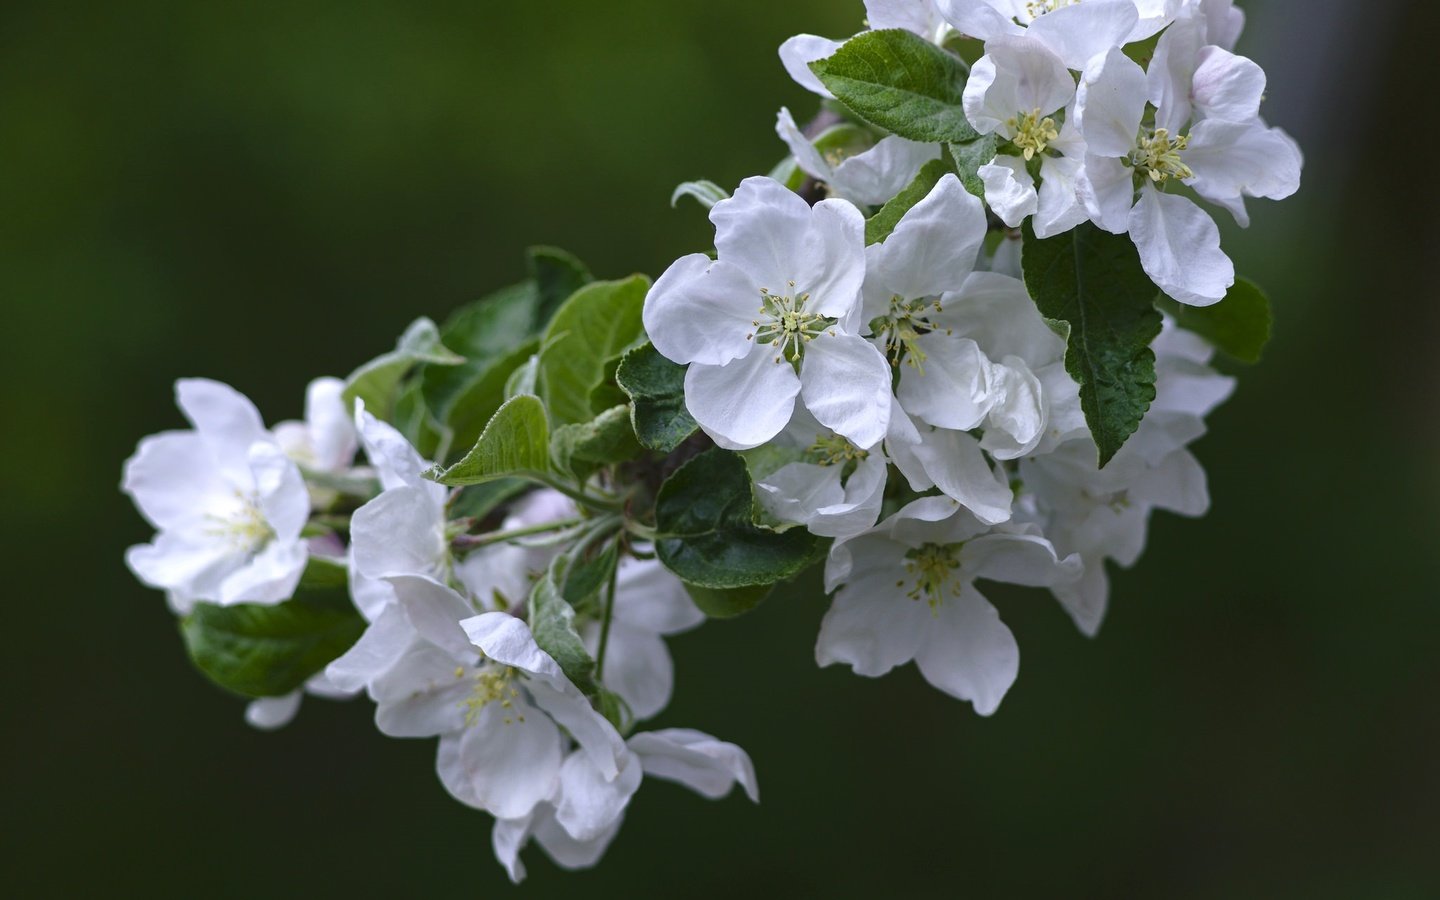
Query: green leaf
point(727, 604)
point(413, 419)
point(378, 381)
point(882, 224)
point(1238, 326)
point(969, 157)
point(552, 622)
point(656, 387)
point(1093, 282)
point(557, 275)
point(479, 500)
point(515, 443)
point(586, 578)
point(594, 326)
point(606, 439)
point(706, 534)
point(478, 402)
point(901, 82)
point(706, 193)
point(269, 651)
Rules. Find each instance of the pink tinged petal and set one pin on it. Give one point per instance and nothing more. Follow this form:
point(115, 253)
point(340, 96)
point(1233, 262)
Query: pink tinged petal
point(1059, 208)
point(588, 804)
point(507, 839)
point(806, 156)
point(509, 760)
point(1227, 87)
point(708, 766)
point(978, 18)
point(746, 402)
point(270, 713)
point(1022, 76)
point(875, 176)
point(1023, 559)
point(1085, 600)
point(933, 248)
point(846, 386)
point(954, 389)
point(798, 52)
point(1110, 105)
point(954, 460)
point(968, 652)
point(174, 481)
point(1009, 189)
point(225, 419)
point(423, 694)
point(764, 230)
point(1179, 247)
point(700, 311)
point(270, 577)
point(1082, 31)
point(1107, 190)
point(375, 653)
point(400, 532)
point(832, 269)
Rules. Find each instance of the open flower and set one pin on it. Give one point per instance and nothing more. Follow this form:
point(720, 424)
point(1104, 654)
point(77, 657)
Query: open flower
point(229, 505)
point(869, 178)
point(764, 324)
point(1076, 31)
point(919, 17)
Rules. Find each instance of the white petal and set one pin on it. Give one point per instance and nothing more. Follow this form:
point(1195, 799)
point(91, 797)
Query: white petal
point(798, 52)
point(174, 481)
point(954, 388)
point(1016, 422)
point(1059, 208)
point(1016, 75)
point(567, 852)
point(860, 508)
point(192, 567)
point(589, 804)
point(700, 311)
point(746, 402)
point(706, 765)
point(832, 269)
point(377, 650)
point(638, 668)
point(1085, 600)
point(225, 419)
point(270, 577)
point(932, 249)
point(996, 312)
point(872, 626)
point(1231, 160)
point(765, 230)
point(508, 761)
point(1110, 105)
point(846, 386)
point(968, 652)
point(649, 597)
point(1180, 248)
point(435, 611)
point(1023, 559)
point(1107, 189)
point(507, 839)
point(916, 16)
point(977, 18)
point(875, 176)
point(280, 489)
point(1009, 189)
point(331, 426)
point(422, 695)
point(954, 460)
point(796, 491)
point(809, 159)
point(1171, 70)
point(1082, 31)
point(1227, 86)
point(396, 462)
point(400, 532)
point(270, 713)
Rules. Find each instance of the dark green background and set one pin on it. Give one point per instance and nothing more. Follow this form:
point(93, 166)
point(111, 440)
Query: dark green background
point(266, 192)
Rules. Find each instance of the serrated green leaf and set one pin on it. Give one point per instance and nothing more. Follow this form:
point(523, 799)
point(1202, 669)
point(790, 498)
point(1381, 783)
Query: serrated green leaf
point(378, 381)
point(902, 83)
point(969, 157)
point(270, 650)
point(552, 622)
point(593, 327)
point(516, 443)
point(1093, 281)
point(557, 275)
point(882, 224)
point(606, 439)
point(656, 387)
point(705, 533)
point(1238, 326)
point(727, 604)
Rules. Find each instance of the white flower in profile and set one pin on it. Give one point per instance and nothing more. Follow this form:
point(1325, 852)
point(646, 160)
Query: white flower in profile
point(1133, 159)
point(920, 17)
point(1076, 31)
point(907, 592)
point(228, 503)
point(326, 440)
point(825, 483)
point(869, 178)
point(765, 323)
point(1014, 91)
point(577, 824)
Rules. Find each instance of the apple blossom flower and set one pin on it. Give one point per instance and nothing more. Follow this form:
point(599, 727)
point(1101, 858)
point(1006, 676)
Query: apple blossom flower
point(1076, 31)
point(869, 178)
point(919, 17)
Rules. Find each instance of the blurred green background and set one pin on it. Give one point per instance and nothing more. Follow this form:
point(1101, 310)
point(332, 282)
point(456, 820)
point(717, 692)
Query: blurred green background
point(266, 192)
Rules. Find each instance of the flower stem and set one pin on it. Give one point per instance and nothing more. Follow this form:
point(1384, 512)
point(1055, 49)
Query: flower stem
point(605, 624)
point(466, 542)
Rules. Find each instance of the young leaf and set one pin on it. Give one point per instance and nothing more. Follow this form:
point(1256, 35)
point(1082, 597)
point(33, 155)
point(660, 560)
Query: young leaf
point(901, 82)
point(727, 604)
point(479, 500)
point(1093, 282)
point(1238, 326)
point(706, 193)
point(586, 578)
point(378, 381)
point(557, 276)
point(515, 443)
point(477, 403)
point(552, 622)
point(706, 534)
point(882, 224)
point(606, 439)
point(269, 651)
point(656, 387)
point(594, 326)
point(484, 332)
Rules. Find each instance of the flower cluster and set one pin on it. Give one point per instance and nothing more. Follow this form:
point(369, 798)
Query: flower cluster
point(963, 333)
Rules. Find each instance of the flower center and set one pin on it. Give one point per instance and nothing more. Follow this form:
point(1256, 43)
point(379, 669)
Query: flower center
point(245, 528)
point(785, 325)
point(491, 684)
point(902, 327)
point(1158, 156)
point(935, 569)
point(1033, 133)
point(834, 450)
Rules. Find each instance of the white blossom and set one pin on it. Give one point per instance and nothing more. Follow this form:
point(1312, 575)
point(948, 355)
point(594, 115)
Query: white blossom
point(1076, 31)
point(869, 178)
point(920, 17)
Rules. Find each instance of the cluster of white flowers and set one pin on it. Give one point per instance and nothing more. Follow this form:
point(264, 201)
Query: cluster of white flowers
point(865, 338)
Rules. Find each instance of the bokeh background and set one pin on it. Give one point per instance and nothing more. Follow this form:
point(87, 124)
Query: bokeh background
point(265, 192)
